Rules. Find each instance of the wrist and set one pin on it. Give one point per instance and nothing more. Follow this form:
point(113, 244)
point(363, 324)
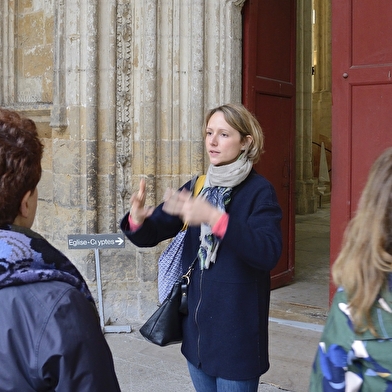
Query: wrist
point(135, 221)
point(214, 217)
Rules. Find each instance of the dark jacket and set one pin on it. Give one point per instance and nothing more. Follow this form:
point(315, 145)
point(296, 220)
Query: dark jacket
point(226, 331)
point(50, 340)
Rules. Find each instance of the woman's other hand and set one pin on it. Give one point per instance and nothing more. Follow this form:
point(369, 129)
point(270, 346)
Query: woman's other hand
point(174, 201)
point(192, 210)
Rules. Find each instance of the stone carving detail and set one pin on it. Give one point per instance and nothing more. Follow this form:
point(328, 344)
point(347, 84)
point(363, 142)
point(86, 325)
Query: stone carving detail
point(123, 104)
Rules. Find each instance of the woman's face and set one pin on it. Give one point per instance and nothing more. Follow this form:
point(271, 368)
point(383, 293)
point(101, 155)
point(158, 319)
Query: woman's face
point(223, 143)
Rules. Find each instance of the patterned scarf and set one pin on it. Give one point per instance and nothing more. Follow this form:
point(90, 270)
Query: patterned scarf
point(26, 257)
point(218, 186)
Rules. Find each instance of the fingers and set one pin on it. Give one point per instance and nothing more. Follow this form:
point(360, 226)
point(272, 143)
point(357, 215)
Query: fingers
point(142, 190)
point(174, 201)
point(170, 202)
point(137, 210)
point(198, 210)
point(168, 194)
point(184, 195)
point(139, 197)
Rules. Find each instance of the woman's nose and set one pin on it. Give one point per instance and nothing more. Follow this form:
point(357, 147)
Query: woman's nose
point(213, 140)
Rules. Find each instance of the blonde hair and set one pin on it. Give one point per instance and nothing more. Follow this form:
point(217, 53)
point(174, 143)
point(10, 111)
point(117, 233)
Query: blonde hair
point(238, 117)
point(362, 266)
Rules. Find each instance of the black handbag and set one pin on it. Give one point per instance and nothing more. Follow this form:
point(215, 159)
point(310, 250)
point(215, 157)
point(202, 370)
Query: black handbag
point(164, 327)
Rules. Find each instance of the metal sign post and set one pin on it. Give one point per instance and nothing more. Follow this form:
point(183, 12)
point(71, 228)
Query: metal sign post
point(96, 242)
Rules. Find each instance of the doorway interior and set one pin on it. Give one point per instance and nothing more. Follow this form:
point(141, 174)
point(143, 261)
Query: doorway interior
point(307, 298)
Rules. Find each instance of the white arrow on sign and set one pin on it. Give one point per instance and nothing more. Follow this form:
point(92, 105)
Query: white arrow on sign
point(119, 241)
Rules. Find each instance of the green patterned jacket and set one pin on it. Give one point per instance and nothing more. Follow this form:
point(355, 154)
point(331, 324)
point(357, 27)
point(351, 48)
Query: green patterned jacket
point(346, 361)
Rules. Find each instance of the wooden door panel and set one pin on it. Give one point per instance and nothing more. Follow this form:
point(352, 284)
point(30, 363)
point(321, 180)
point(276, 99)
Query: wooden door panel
point(269, 92)
point(362, 96)
point(371, 29)
point(371, 124)
point(274, 164)
point(274, 39)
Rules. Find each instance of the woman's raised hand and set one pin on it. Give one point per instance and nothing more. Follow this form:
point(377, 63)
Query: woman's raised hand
point(138, 210)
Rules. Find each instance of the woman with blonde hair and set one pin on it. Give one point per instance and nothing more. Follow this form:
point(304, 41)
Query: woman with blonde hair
point(235, 237)
point(355, 349)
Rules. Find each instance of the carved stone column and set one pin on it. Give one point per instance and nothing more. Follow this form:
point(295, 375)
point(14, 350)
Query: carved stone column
point(59, 108)
point(7, 54)
point(306, 201)
point(322, 85)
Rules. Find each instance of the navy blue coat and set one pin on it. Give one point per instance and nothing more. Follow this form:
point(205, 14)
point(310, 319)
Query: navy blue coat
point(226, 331)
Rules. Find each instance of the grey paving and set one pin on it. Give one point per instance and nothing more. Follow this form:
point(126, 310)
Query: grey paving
point(144, 367)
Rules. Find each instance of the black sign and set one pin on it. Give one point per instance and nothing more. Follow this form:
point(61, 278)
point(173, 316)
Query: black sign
point(95, 241)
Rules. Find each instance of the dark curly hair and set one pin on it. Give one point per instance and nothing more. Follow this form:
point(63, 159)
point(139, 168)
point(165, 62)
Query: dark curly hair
point(20, 162)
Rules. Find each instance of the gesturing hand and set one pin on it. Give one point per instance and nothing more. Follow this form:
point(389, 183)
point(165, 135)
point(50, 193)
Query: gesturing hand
point(138, 210)
point(192, 210)
point(174, 201)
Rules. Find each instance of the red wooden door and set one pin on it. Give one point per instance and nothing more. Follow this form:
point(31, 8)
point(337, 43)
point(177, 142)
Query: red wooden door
point(269, 92)
point(362, 99)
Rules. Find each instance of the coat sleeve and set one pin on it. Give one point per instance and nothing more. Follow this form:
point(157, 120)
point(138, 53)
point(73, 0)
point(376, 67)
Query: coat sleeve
point(73, 354)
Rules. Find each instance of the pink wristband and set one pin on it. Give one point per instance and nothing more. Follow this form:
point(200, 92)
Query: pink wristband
point(220, 227)
point(132, 225)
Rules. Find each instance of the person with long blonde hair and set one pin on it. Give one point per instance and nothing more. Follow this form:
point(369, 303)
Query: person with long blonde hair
point(355, 350)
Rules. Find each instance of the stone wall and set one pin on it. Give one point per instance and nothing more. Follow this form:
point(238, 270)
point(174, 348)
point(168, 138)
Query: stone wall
point(33, 55)
point(118, 90)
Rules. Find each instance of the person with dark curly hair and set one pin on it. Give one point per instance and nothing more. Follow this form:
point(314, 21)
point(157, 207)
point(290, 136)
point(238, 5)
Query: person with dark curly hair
point(50, 336)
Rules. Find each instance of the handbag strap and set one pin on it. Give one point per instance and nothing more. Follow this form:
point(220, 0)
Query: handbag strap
point(185, 280)
point(199, 184)
point(187, 275)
